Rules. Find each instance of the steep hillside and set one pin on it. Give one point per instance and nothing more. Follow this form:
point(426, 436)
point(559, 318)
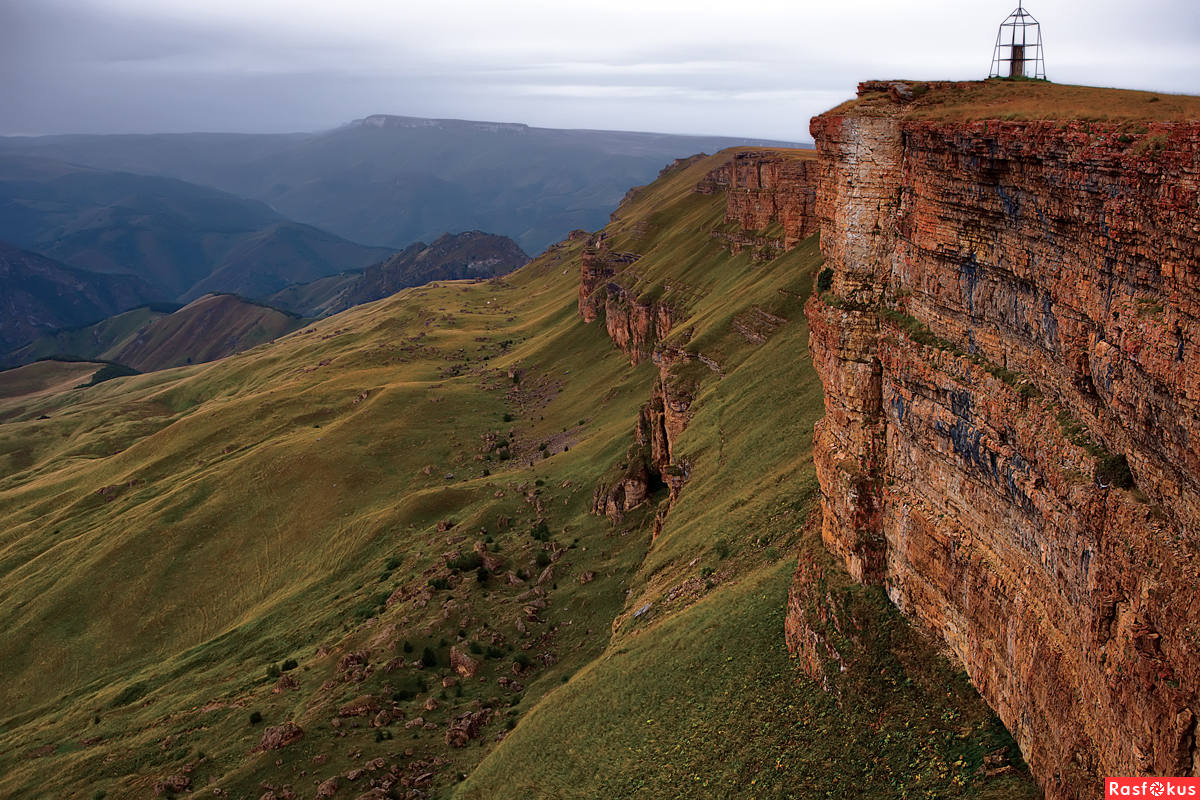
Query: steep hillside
point(157, 337)
point(392, 181)
point(38, 295)
point(180, 238)
point(211, 327)
point(100, 340)
point(1007, 337)
point(473, 254)
point(387, 547)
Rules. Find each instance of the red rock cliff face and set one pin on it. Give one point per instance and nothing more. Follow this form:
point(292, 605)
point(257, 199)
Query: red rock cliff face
point(764, 188)
point(1015, 315)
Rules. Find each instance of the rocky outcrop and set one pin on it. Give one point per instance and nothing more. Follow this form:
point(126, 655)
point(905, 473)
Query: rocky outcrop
point(649, 465)
point(1008, 347)
point(766, 189)
point(280, 736)
point(634, 324)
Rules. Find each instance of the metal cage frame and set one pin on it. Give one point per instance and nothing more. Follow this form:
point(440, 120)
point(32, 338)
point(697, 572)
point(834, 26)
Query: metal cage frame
point(1019, 52)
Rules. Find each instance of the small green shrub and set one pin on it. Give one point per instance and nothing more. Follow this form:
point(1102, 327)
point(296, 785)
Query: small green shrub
point(542, 558)
point(428, 657)
point(290, 664)
point(255, 717)
point(439, 584)
point(541, 531)
point(825, 280)
point(1113, 470)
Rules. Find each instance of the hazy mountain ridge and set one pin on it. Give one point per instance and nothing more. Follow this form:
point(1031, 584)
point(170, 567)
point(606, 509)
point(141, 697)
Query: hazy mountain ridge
point(390, 180)
point(181, 238)
point(154, 337)
point(473, 254)
point(38, 295)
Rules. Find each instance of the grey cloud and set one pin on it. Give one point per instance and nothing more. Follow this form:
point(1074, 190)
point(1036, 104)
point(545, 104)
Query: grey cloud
point(80, 65)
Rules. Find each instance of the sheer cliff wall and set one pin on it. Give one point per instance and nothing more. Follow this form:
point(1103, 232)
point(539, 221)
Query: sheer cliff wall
point(1008, 334)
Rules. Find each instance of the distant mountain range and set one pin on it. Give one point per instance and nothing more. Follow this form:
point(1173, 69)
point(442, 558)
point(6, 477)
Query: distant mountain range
point(95, 226)
point(181, 239)
point(56, 311)
point(391, 181)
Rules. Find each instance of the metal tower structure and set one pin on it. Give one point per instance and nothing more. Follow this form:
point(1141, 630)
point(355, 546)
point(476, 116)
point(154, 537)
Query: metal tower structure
point(1019, 52)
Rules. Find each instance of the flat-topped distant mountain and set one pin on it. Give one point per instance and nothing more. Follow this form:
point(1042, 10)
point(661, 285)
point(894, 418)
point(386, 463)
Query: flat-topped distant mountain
point(392, 180)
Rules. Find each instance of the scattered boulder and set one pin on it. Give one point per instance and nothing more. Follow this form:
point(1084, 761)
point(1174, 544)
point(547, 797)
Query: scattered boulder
point(172, 784)
point(328, 788)
point(467, 727)
point(363, 706)
point(285, 683)
point(901, 93)
point(463, 664)
point(280, 736)
point(587, 577)
point(353, 666)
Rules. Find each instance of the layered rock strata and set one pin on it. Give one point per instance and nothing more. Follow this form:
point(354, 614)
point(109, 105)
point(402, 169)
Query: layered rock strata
point(765, 189)
point(1009, 349)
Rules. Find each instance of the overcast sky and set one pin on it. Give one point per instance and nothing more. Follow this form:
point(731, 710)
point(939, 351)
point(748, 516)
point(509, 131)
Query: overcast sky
point(757, 68)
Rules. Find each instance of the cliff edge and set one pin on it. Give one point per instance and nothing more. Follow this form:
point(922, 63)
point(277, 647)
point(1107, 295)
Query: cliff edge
point(1008, 332)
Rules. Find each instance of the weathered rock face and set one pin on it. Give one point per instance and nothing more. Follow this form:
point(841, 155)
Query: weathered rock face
point(598, 266)
point(764, 188)
point(649, 465)
point(1014, 315)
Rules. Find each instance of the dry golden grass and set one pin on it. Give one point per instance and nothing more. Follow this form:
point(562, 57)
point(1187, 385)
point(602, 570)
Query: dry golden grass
point(1030, 100)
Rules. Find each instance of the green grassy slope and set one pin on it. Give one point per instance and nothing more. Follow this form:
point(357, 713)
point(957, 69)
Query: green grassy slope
point(169, 542)
point(697, 696)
